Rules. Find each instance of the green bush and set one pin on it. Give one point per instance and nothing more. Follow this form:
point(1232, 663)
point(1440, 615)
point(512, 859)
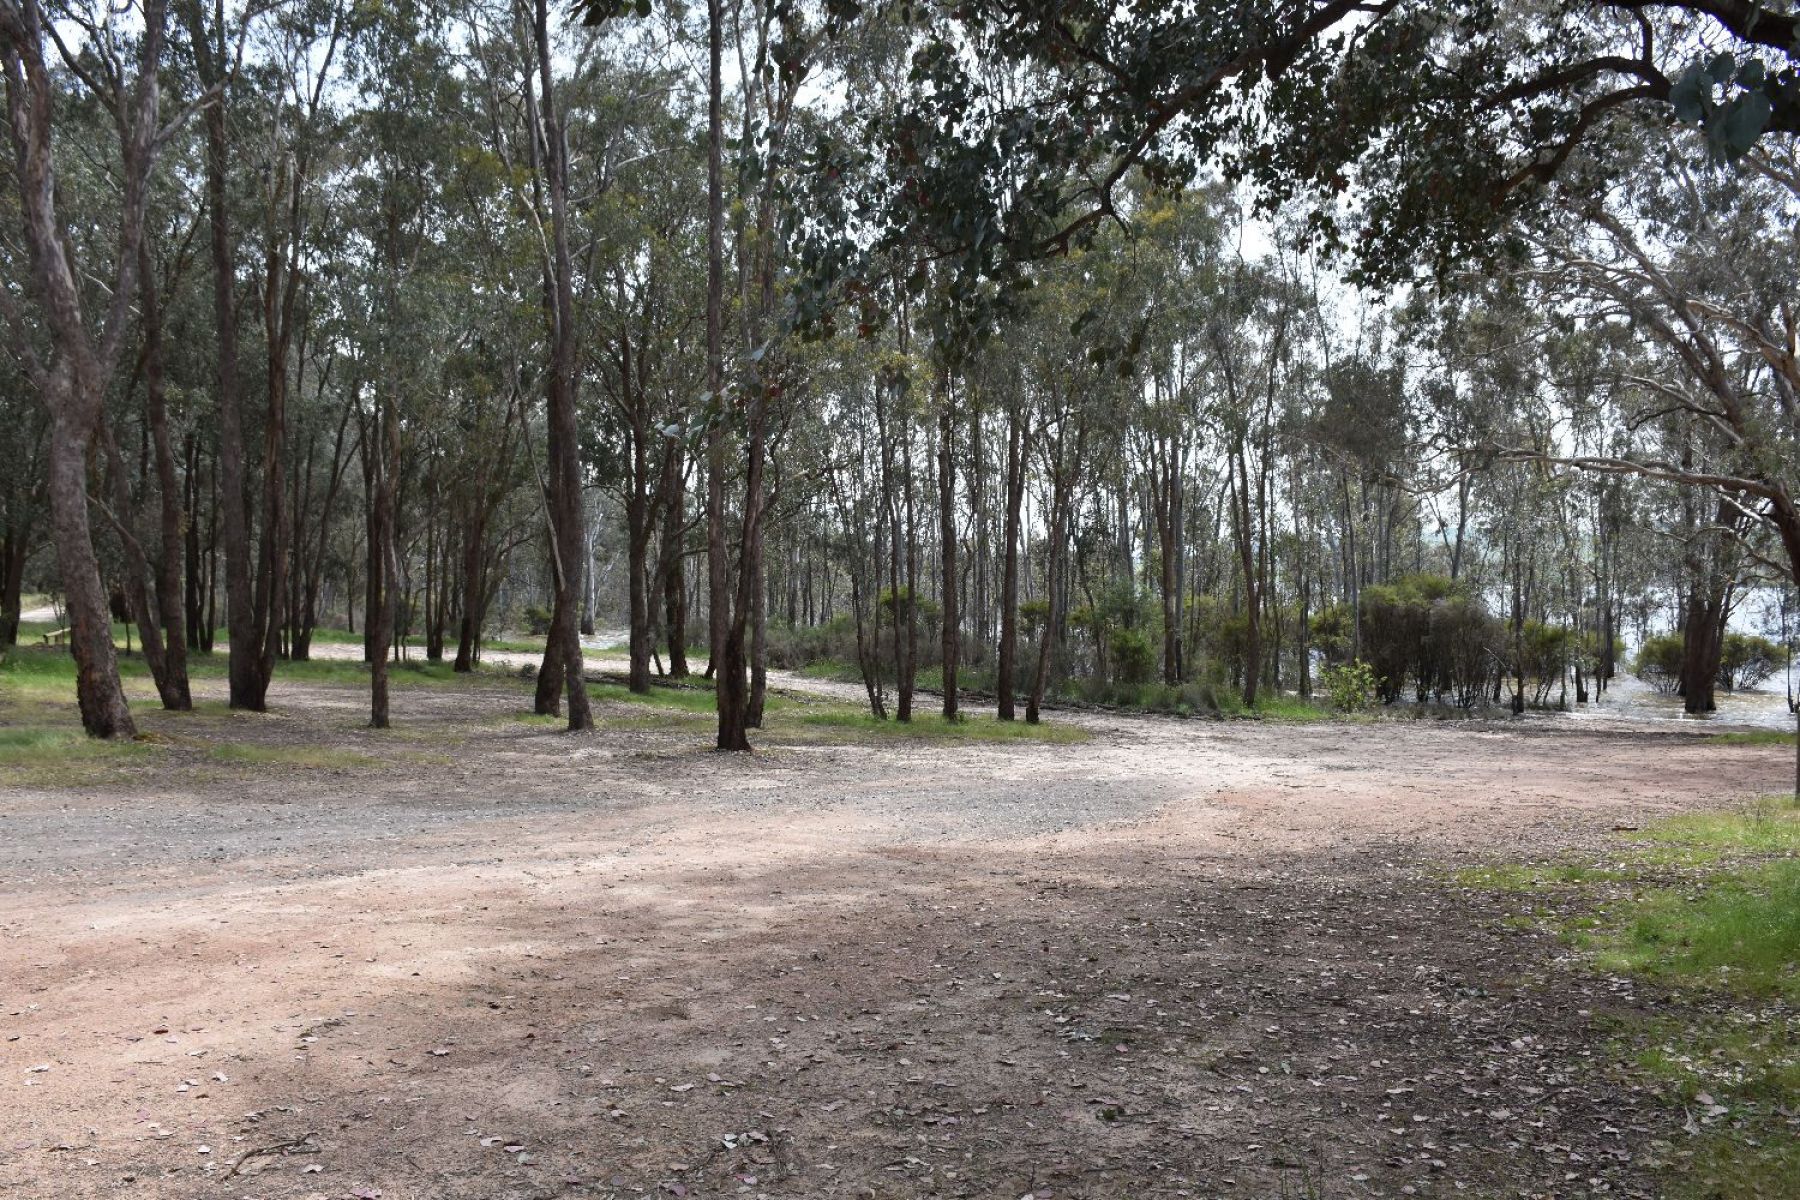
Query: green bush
point(1425, 630)
point(537, 620)
point(1659, 662)
point(1133, 659)
point(1546, 651)
point(1746, 660)
point(1349, 684)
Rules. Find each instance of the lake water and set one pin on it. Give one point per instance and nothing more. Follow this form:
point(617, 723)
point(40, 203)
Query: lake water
point(1629, 699)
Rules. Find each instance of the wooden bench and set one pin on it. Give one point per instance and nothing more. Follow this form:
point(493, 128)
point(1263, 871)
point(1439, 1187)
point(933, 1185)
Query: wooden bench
point(56, 637)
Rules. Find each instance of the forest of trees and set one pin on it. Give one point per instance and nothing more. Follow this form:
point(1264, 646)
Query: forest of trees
point(1013, 352)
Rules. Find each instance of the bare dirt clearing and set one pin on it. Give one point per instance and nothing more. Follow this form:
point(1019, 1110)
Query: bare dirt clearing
point(1174, 959)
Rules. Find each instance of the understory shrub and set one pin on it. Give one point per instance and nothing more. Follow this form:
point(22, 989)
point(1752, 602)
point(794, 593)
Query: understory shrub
point(1425, 633)
point(1746, 660)
point(1659, 662)
point(1133, 659)
point(1349, 684)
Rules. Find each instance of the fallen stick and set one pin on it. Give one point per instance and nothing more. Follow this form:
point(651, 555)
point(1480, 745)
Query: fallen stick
point(305, 1139)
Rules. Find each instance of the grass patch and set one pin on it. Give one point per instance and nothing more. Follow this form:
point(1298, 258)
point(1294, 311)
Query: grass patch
point(412, 673)
point(1532, 877)
point(1735, 1076)
point(1754, 737)
point(694, 699)
point(314, 757)
point(836, 670)
point(1770, 826)
point(57, 756)
point(1292, 708)
point(968, 729)
point(1738, 930)
point(1753, 1055)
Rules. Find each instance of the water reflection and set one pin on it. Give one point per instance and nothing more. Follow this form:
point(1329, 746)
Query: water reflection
point(1630, 699)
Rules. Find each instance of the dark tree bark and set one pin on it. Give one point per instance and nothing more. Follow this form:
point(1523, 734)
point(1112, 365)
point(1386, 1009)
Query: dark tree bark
point(1063, 473)
point(176, 693)
point(1017, 452)
point(1167, 471)
point(673, 569)
point(381, 454)
point(248, 686)
point(21, 522)
point(952, 628)
point(73, 382)
point(640, 499)
point(727, 651)
point(551, 150)
point(14, 549)
point(137, 573)
point(1245, 538)
point(906, 601)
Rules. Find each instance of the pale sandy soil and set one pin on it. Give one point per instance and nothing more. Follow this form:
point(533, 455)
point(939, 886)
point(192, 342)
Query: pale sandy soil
point(1181, 958)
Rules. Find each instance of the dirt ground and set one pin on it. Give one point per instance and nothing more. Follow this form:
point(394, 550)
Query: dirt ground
point(1177, 959)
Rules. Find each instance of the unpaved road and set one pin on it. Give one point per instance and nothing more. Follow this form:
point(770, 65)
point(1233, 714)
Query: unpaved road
point(1177, 959)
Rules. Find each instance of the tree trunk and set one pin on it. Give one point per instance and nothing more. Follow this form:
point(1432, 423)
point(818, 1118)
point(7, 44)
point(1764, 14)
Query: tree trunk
point(729, 687)
point(1016, 452)
point(564, 454)
point(15, 547)
point(1242, 517)
point(1053, 587)
point(382, 454)
point(247, 689)
point(674, 565)
point(74, 382)
point(135, 583)
point(909, 664)
point(97, 688)
point(176, 694)
point(637, 533)
point(468, 632)
point(951, 636)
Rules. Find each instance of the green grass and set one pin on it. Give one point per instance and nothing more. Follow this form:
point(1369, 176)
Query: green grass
point(1739, 930)
point(56, 756)
point(1770, 826)
point(697, 698)
point(969, 729)
point(835, 669)
point(1735, 1076)
point(1292, 708)
point(50, 673)
point(1755, 737)
point(38, 745)
point(1754, 1053)
point(1532, 877)
point(318, 757)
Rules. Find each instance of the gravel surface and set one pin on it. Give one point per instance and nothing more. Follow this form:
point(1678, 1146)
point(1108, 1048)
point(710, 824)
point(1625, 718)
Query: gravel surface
point(490, 960)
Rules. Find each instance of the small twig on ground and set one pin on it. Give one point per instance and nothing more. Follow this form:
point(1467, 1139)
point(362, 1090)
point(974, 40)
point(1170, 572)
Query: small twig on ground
point(303, 1144)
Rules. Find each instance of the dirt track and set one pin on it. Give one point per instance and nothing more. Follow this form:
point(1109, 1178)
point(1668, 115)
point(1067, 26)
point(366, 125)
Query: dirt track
point(1177, 959)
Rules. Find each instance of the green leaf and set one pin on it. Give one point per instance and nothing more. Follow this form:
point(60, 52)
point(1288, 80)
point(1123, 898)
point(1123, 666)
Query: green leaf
point(1744, 122)
point(1688, 96)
